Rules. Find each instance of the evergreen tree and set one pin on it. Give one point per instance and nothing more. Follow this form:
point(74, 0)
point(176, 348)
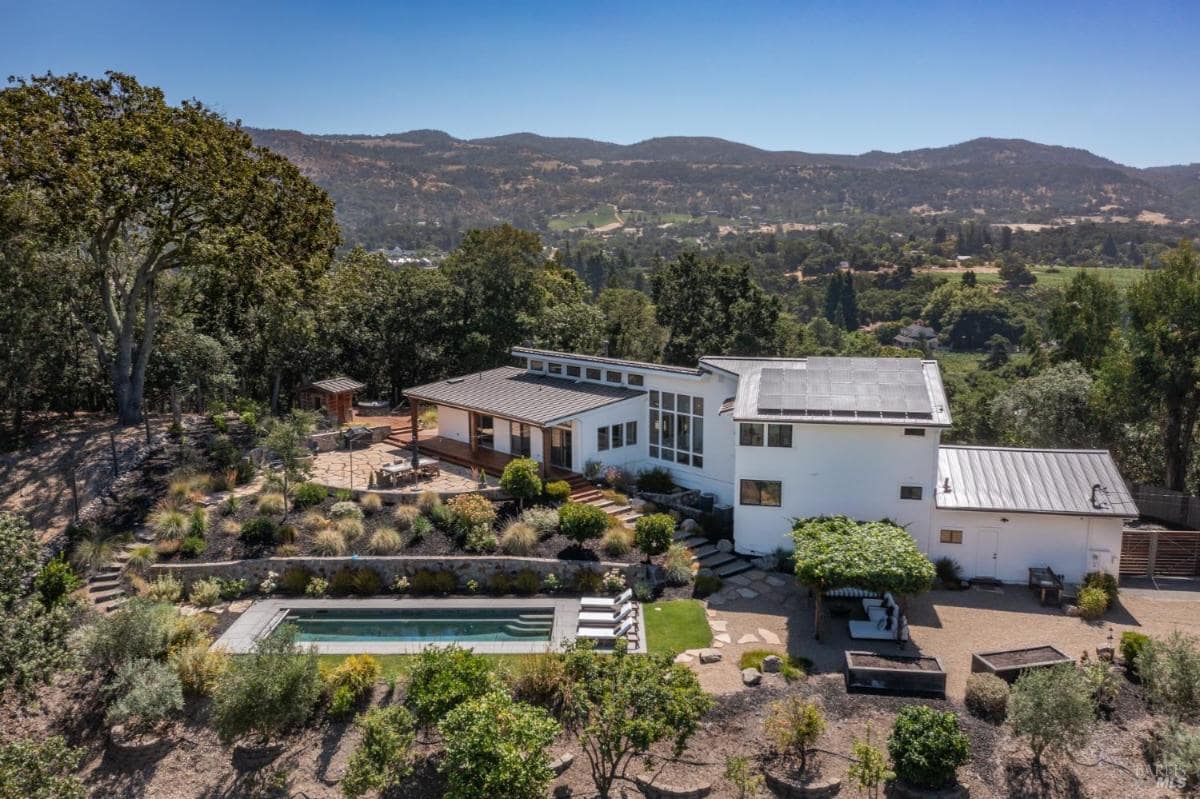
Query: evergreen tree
point(849, 303)
point(1109, 249)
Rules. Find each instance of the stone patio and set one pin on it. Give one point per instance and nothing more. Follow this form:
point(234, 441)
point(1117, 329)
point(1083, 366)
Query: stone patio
point(352, 470)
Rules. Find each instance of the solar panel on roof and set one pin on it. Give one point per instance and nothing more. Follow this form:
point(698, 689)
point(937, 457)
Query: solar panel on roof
point(842, 387)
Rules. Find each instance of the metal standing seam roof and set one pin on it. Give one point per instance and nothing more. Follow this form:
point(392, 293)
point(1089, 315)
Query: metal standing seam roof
point(895, 391)
point(1032, 481)
point(530, 352)
point(517, 394)
point(336, 385)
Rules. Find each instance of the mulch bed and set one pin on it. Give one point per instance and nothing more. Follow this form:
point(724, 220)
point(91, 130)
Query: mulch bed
point(896, 662)
point(1023, 657)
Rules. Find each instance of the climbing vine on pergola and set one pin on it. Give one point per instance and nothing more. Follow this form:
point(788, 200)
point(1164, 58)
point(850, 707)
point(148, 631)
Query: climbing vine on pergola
point(838, 552)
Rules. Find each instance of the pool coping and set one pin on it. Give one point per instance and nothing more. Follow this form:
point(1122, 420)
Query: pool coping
point(261, 617)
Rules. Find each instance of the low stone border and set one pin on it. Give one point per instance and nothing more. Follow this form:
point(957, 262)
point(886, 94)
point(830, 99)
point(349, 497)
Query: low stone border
point(562, 763)
point(662, 790)
point(389, 567)
point(393, 496)
point(902, 790)
point(135, 751)
point(791, 789)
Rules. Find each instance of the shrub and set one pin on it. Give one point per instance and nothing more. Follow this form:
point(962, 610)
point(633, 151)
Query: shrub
point(329, 543)
point(927, 747)
point(870, 767)
point(142, 694)
point(948, 570)
point(1105, 582)
point(480, 539)
point(592, 469)
point(1169, 668)
point(643, 591)
point(164, 589)
point(317, 587)
point(385, 541)
point(370, 504)
point(342, 582)
point(526, 582)
point(271, 502)
point(1102, 684)
point(443, 678)
point(543, 520)
point(404, 515)
point(551, 583)
point(1092, 602)
point(168, 524)
point(138, 630)
point(656, 480)
point(198, 522)
point(55, 581)
point(522, 479)
point(230, 505)
point(614, 581)
point(441, 517)
point(558, 490)
point(295, 580)
point(1175, 750)
point(383, 757)
point(499, 584)
point(1052, 708)
point(308, 494)
point(434, 582)
point(587, 581)
point(367, 581)
point(199, 665)
point(268, 693)
point(541, 680)
point(793, 727)
point(259, 531)
point(345, 510)
point(231, 589)
point(141, 558)
point(617, 541)
point(738, 773)
point(470, 511)
point(428, 500)
point(348, 683)
point(192, 547)
point(987, 697)
point(421, 527)
point(706, 585)
point(518, 538)
point(580, 522)
point(41, 769)
point(1133, 644)
point(497, 747)
point(205, 593)
point(677, 565)
point(653, 533)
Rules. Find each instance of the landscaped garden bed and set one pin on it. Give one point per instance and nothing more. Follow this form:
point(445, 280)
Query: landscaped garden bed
point(1008, 664)
point(920, 675)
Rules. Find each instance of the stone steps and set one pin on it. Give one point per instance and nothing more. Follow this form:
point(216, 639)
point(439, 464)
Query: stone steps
point(735, 567)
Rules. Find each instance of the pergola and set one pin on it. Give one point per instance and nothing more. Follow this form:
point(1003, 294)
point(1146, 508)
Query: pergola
point(335, 396)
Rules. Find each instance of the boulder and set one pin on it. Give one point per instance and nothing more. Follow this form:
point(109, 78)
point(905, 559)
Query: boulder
point(638, 504)
point(751, 677)
point(563, 763)
point(772, 664)
point(785, 786)
point(724, 545)
point(689, 525)
point(710, 656)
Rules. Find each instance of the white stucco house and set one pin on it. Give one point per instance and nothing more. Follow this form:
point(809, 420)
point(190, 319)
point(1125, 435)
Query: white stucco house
point(780, 439)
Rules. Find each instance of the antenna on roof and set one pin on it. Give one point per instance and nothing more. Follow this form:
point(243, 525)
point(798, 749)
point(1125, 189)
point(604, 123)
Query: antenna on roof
point(946, 486)
point(1097, 488)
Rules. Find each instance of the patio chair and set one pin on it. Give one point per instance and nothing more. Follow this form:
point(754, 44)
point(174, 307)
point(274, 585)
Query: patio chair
point(605, 633)
point(606, 602)
point(883, 630)
point(882, 612)
point(887, 599)
point(606, 617)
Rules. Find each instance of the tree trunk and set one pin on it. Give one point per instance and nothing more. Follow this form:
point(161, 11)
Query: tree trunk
point(1175, 447)
point(275, 392)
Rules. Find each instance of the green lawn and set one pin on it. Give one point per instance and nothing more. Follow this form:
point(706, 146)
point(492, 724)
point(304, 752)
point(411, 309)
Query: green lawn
point(1056, 276)
point(676, 625)
point(599, 216)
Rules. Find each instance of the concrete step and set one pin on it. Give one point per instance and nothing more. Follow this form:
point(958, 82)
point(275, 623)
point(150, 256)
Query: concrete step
point(715, 560)
point(696, 541)
point(107, 594)
point(112, 604)
point(736, 567)
point(98, 584)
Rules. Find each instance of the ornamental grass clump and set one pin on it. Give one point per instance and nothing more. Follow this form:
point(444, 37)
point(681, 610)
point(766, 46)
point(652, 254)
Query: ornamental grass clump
point(518, 538)
point(329, 543)
point(677, 565)
point(543, 520)
point(272, 503)
point(385, 541)
point(617, 541)
point(404, 515)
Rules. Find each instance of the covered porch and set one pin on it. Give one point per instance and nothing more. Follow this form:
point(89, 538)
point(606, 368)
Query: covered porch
point(491, 461)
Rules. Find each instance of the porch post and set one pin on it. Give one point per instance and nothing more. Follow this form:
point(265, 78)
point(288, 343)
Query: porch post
point(472, 426)
point(545, 450)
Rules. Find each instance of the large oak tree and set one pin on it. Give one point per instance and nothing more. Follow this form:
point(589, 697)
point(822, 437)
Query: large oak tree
point(127, 191)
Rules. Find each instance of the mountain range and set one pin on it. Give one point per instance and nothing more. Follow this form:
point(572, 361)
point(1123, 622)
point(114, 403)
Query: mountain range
point(385, 186)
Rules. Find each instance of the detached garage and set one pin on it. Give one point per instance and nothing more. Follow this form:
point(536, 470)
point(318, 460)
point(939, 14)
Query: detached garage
point(1001, 511)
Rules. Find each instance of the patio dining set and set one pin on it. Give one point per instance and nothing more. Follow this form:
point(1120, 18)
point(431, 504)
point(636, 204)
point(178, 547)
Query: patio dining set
point(399, 472)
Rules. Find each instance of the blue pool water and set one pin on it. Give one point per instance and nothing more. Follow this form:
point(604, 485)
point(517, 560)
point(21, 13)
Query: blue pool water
point(422, 625)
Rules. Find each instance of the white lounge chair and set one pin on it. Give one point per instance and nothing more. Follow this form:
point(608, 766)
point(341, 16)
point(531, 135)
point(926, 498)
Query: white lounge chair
point(887, 599)
point(605, 633)
point(603, 617)
point(879, 630)
point(882, 612)
point(606, 602)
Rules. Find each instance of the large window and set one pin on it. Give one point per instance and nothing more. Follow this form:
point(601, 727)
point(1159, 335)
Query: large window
point(485, 431)
point(750, 434)
point(779, 435)
point(768, 493)
point(631, 433)
point(677, 428)
point(518, 440)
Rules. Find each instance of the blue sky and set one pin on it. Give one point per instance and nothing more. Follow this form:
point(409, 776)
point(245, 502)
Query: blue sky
point(1119, 78)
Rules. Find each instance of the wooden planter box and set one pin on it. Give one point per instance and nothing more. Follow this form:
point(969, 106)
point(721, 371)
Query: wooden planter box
point(920, 675)
point(1008, 664)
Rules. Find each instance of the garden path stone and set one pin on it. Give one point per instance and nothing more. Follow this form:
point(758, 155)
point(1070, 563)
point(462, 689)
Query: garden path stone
point(747, 593)
point(775, 581)
point(768, 636)
point(723, 638)
point(718, 626)
point(684, 658)
point(748, 638)
point(751, 677)
point(710, 656)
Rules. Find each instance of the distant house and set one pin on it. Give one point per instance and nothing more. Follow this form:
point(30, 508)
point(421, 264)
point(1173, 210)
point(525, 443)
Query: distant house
point(917, 337)
point(334, 396)
point(775, 439)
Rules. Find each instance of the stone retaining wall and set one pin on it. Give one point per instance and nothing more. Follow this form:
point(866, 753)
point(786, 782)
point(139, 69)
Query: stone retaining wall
point(389, 567)
point(328, 442)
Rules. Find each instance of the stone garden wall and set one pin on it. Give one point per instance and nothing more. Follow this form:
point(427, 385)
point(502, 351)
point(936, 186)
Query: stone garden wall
point(328, 442)
point(389, 567)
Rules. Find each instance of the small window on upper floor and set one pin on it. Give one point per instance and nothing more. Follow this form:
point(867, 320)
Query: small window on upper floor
point(910, 492)
point(779, 435)
point(613, 377)
point(554, 368)
point(572, 371)
point(635, 380)
point(521, 362)
point(750, 434)
point(536, 366)
point(593, 374)
point(914, 431)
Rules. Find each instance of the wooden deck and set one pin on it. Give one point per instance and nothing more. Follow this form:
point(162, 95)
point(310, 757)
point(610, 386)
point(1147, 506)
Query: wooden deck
point(460, 454)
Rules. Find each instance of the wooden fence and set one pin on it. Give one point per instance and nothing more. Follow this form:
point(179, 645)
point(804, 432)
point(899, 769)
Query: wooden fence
point(1160, 553)
point(1173, 507)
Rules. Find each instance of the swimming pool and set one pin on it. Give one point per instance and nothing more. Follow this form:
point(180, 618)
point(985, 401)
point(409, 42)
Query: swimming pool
point(440, 625)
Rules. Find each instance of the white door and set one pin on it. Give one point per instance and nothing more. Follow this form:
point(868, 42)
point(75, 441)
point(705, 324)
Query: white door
point(987, 551)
